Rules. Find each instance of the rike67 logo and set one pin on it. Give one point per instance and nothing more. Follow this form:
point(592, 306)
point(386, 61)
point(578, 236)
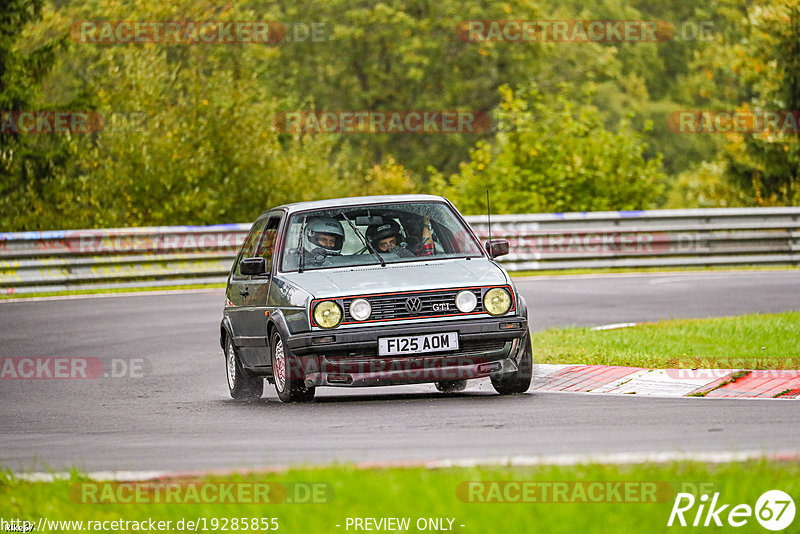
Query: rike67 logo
point(774, 510)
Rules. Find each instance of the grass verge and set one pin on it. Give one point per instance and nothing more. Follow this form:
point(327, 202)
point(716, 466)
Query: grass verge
point(111, 291)
point(587, 500)
point(628, 270)
point(758, 341)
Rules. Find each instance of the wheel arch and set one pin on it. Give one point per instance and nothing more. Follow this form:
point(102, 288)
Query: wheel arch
point(277, 321)
point(225, 329)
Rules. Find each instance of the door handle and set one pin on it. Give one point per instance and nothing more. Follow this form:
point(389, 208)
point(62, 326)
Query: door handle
point(244, 292)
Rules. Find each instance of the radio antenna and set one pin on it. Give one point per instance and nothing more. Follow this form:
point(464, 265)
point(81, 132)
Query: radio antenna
point(489, 214)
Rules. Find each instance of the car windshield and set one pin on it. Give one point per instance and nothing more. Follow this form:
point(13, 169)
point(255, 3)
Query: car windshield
point(376, 234)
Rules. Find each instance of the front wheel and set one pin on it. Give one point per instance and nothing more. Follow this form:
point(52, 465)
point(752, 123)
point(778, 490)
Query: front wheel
point(520, 380)
point(241, 383)
point(287, 377)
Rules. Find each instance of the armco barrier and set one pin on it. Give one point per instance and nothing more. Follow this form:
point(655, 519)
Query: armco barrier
point(32, 262)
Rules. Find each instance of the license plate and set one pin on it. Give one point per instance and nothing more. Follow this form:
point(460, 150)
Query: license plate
point(388, 346)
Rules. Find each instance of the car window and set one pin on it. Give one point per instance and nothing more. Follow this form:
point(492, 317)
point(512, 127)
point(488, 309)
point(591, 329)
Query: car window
point(249, 245)
point(267, 243)
point(400, 232)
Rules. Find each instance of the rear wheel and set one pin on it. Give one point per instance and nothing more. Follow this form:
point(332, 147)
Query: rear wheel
point(520, 380)
point(241, 383)
point(451, 386)
point(287, 377)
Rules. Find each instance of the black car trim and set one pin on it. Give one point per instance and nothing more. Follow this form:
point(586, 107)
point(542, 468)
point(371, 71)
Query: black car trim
point(355, 339)
point(249, 341)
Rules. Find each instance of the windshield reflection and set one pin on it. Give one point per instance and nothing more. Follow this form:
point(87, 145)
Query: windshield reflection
point(377, 234)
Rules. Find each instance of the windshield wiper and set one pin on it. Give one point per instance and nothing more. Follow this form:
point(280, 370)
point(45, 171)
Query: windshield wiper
point(300, 250)
point(364, 240)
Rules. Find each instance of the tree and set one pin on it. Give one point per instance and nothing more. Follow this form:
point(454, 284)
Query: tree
point(766, 164)
point(556, 156)
point(30, 165)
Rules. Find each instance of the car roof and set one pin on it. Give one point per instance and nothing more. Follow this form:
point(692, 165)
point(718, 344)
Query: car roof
point(355, 201)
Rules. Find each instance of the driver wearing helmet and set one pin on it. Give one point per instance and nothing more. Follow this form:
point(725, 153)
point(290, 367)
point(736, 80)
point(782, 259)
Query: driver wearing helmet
point(324, 236)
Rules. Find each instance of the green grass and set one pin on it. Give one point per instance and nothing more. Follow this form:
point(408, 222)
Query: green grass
point(112, 291)
point(760, 341)
point(423, 493)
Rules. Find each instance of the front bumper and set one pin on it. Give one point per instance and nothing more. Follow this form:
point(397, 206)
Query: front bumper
point(349, 357)
point(364, 340)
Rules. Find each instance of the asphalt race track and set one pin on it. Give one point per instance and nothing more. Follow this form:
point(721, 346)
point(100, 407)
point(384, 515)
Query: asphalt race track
point(178, 416)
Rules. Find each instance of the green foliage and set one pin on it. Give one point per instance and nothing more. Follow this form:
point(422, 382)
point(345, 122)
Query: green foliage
point(706, 186)
point(556, 157)
point(189, 137)
point(754, 66)
point(767, 165)
point(400, 55)
point(31, 169)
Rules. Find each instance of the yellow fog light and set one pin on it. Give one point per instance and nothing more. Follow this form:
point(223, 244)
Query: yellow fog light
point(328, 314)
point(497, 301)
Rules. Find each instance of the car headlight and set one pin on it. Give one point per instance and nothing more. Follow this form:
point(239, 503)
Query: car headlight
point(360, 310)
point(328, 314)
point(466, 301)
point(497, 301)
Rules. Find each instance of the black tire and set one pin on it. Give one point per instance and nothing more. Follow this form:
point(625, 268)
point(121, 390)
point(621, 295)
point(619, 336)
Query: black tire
point(288, 385)
point(519, 381)
point(242, 384)
point(451, 386)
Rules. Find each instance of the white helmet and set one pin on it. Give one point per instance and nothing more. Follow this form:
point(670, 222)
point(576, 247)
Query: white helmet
point(324, 226)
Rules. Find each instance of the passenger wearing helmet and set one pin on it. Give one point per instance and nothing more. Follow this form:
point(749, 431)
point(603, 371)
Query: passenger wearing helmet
point(388, 238)
point(324, 236)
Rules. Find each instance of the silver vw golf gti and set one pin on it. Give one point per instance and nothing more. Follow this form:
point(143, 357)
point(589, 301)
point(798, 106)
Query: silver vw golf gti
point(371, 291)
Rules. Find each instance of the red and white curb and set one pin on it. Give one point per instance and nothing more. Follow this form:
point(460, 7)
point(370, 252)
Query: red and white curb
point(667, 382)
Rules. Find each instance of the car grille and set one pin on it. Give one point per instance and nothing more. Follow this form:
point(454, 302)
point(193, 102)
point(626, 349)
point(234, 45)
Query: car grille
point(431, 304)
point(468, 348)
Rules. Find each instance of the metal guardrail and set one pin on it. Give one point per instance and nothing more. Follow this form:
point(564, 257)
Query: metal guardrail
point(34, 262)
point(640, 239)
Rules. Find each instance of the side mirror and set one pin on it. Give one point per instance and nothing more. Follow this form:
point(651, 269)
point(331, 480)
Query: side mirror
point(253, 266)
point(497, 247)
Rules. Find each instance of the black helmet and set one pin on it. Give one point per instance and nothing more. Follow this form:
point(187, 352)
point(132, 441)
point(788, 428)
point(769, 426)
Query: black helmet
point(324, 225)
point(379, 232)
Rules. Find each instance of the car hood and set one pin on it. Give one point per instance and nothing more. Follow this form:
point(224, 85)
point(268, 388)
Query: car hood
point(398, 277)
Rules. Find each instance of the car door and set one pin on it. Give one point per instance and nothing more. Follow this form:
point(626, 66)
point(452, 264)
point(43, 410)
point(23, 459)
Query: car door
point(248, 294)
